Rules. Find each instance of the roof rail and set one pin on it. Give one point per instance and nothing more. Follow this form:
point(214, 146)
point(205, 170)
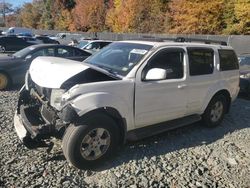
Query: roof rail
point(206, 41)
point(181, 39)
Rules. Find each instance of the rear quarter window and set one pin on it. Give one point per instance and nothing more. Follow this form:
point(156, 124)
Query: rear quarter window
point(228, 60)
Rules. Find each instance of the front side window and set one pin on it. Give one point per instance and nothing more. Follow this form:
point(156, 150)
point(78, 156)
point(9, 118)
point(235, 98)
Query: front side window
point(228, 60)
point(119, 57)
point(169, 59)
point(201, 61)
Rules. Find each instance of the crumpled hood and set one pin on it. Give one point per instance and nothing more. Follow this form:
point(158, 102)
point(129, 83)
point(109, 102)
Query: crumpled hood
point(52, 72)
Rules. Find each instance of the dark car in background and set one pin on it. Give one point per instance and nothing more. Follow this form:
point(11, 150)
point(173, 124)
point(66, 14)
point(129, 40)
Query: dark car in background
point(244, 61)
point(13, 43)
point(13, 67)
point(47, 40)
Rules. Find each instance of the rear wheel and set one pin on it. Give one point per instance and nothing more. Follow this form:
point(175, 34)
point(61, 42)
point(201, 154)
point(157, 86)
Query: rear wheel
point(215, 111)
point(2, 49)
point(90, 143)
point(4, 81)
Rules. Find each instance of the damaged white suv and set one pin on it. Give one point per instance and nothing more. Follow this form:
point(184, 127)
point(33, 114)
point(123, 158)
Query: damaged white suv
point(128, 90)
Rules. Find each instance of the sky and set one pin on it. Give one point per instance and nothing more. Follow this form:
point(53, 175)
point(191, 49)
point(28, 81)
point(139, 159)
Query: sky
point(17, 3)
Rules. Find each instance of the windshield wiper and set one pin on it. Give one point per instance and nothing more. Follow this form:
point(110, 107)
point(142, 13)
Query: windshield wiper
point(111, 71)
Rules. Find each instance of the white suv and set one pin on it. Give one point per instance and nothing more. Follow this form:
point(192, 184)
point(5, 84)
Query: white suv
point(128, 90)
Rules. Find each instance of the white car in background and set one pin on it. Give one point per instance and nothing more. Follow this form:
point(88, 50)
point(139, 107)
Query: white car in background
point(92, 46)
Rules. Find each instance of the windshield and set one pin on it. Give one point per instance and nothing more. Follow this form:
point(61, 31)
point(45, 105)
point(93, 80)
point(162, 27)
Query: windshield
point(82, 44)
point(23, 52)
point(120, 57)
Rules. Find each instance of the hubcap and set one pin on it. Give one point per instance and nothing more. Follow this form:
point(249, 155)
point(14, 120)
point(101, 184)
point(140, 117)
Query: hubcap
point(95, 144)
point(3, 81)
point(216, 111)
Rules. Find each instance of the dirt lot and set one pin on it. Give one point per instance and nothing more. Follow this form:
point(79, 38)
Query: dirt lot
point(193, 156)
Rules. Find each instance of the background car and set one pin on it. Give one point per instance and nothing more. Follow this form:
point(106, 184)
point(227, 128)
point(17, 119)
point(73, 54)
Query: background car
point(13, 67)
point(92, 46)
point(13, 43)
point(244, 61)
point(47, 40)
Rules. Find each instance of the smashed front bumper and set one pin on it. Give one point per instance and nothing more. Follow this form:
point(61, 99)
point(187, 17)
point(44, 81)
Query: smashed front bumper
point(35, 121)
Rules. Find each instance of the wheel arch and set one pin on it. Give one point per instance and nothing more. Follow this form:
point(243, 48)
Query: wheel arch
point(225, 93)
point(112, 113)
point(8, 75)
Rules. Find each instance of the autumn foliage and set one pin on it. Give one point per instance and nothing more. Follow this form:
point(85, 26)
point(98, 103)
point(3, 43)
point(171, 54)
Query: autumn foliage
point(138, 16)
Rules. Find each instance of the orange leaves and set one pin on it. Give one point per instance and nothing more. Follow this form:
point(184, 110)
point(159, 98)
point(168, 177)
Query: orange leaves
point(196, 17)
point(140, 16)
point(89, 15)
point(136, 16)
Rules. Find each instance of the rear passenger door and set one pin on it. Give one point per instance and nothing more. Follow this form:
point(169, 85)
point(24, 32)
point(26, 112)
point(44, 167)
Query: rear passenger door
point(201, 63)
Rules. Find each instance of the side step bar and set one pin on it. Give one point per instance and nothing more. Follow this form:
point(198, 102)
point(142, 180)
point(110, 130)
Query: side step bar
point(161, 127)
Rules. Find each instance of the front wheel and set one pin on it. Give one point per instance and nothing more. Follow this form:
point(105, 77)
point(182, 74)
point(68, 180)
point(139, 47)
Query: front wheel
point(215, 111)
point(90, 143)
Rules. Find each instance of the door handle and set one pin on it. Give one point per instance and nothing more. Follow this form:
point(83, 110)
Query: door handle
point(181, 86)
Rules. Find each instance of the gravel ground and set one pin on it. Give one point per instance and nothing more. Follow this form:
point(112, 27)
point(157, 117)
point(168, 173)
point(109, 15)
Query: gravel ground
point(193, 156)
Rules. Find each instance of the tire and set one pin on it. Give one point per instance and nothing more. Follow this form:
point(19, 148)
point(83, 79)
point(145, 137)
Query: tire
point(2, 49)
point(82, 146)
point(215, 111)
point(4, 81)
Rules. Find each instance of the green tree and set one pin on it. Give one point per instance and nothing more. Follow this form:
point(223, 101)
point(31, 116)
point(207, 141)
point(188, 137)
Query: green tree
point(47, 21)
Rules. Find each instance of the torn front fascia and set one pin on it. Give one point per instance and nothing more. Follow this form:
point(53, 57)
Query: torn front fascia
point(68, 114)
point(39, 119)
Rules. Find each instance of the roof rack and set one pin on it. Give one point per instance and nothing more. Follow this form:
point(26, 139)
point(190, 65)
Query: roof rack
point(182, 39)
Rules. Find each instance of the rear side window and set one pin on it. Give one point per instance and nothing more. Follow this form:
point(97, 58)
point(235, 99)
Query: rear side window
point(228, 60)
point(201, 61)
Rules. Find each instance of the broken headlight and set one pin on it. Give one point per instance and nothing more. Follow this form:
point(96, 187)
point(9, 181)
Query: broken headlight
point(56, 98)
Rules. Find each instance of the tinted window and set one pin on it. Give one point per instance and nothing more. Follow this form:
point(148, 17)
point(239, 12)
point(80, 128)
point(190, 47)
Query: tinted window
point(102, 44)
point(65, 52)
point(44, 52)
point(171, 60)
point(94, 45)
point(201, 61)
point(81, 53)
point(228, 60)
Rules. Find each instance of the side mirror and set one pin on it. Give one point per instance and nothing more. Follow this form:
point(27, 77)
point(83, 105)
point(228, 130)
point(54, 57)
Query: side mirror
point(28, 57)
point(156, 74)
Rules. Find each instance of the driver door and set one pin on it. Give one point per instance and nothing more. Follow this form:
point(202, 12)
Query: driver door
point(161, 100)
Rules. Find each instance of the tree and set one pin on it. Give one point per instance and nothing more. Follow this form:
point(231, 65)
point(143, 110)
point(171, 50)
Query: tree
point(62, 16)
point(13, 18)
point(5, 8)
point(47, 21)
point(196, 16)
point(30, 15)
point(136, 16)
point(89, 15)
